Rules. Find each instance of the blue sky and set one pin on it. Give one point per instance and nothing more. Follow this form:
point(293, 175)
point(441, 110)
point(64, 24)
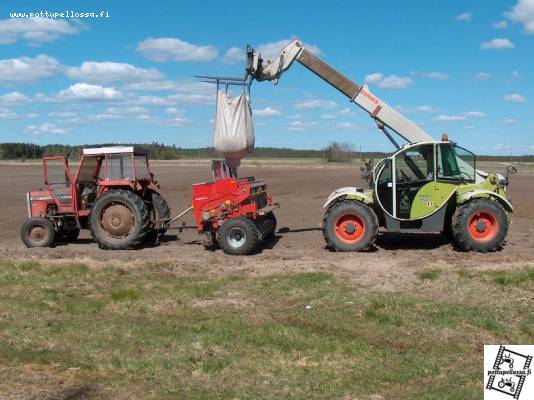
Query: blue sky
point(461, 67)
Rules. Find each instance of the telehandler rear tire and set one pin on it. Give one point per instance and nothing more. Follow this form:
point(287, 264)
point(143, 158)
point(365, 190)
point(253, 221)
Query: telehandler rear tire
point(480, 225)
point(119, 220)
point(350, 226)
point(239, 236)
point(38, 232)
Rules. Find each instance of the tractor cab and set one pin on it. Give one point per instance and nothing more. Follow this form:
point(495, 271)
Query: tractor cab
point(99, 169)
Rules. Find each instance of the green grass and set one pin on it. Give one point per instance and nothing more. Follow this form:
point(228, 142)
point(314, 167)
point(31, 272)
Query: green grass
point(429, 274)
point(292, 336)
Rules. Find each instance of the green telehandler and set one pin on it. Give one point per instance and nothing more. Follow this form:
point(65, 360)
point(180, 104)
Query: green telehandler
point(424, 186)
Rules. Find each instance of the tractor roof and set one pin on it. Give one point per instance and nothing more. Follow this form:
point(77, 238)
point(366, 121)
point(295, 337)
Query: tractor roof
point(115, 150)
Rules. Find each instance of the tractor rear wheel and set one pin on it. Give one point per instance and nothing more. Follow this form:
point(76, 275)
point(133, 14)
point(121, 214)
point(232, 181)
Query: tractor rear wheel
point(350, 226)
point(160, 209)
point(119, 220)
point(238, 236)
point(38, 232)
point(480, 225)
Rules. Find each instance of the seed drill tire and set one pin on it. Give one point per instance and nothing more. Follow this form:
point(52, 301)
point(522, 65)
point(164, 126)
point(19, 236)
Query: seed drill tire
point(240, 224)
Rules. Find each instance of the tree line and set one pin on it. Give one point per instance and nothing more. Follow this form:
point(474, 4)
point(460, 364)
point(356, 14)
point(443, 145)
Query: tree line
point(334, 152)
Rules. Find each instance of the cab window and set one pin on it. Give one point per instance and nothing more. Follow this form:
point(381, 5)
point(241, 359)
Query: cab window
point(455, 163)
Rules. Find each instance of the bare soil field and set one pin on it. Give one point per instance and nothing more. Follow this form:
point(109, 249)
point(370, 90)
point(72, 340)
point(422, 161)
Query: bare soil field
point(301, 190)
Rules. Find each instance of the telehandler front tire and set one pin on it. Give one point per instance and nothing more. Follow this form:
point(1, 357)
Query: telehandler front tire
point(350, 226)
point(480, 225)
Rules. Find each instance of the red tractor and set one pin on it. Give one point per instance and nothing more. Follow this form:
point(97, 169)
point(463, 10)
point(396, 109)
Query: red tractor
point(113, 193)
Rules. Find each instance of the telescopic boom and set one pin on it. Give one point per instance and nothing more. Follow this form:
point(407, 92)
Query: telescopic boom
point(382, 113)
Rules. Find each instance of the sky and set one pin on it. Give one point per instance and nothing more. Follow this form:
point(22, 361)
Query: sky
point(460, 67)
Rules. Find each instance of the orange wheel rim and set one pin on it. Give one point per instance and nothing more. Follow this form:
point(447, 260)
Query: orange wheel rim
point(483, 226)
point(350, 228)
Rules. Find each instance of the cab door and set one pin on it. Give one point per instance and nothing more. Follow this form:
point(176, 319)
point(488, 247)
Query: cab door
point(405, 186)
point(59, 181)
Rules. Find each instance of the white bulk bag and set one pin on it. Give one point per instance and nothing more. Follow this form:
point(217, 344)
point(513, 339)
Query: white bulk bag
point(233, 135)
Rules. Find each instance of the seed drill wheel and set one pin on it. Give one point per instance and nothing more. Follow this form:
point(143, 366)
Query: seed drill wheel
point(480, 225)
point(239, 236)
point(119, 220)
point(38, 232)
point(350, 226)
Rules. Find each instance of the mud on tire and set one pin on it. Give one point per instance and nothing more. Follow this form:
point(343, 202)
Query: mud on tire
point(119, 219)
point(480, 225)
point(350, 226)
point(239, 236)
point(38, 232)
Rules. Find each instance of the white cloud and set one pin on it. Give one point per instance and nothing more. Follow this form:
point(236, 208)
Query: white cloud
point(32, 115)
point(464, 17)
point(374, 78)
point(150, 100)
point(425, 109)
point(498, 43)
point(310, 104)
point(440, 76)
point(14, 98)
point(328, 116)
point(180, 121)
point(302, 125)
point(395, 82)
point(295, 116)
point(7, 114)
point(150, 86)
point(127, 110)
point(85, 91)
point(523, 13)
point(194, 93)
point(173, 49)
point(106, 72)
point(474, 114)
point(173, 110)
point(270, 50)
point(515, 98)
point(388, 82)
point(500, 24)
point(234, 54)
point(346, 112)
point(509, 121)
point(449, 118)
point(26, 69)
point(483, 75)
point(267, 112)
point(345, 126)
point(514, 73)
point(36, 30)
point(62, 114)
point(46, 128)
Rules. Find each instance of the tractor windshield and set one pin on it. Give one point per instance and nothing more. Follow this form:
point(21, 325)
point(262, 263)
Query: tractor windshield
point(455, 163)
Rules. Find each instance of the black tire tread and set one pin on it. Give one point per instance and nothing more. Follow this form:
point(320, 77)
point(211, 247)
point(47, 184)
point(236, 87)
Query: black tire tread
point(34, 221)
point(251, 230)
point(459, 226)
point(352, 206)
point(160, 205)
point(138, 204)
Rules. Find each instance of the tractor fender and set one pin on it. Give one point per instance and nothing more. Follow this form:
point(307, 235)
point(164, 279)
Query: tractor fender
point(482, 193)
point(343, 192)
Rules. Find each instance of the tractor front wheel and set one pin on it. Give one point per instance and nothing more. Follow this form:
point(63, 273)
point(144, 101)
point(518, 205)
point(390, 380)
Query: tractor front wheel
point(119, 220)
point(38, 232)
point(480, 225)
point(350, 226)
point(239, 236)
